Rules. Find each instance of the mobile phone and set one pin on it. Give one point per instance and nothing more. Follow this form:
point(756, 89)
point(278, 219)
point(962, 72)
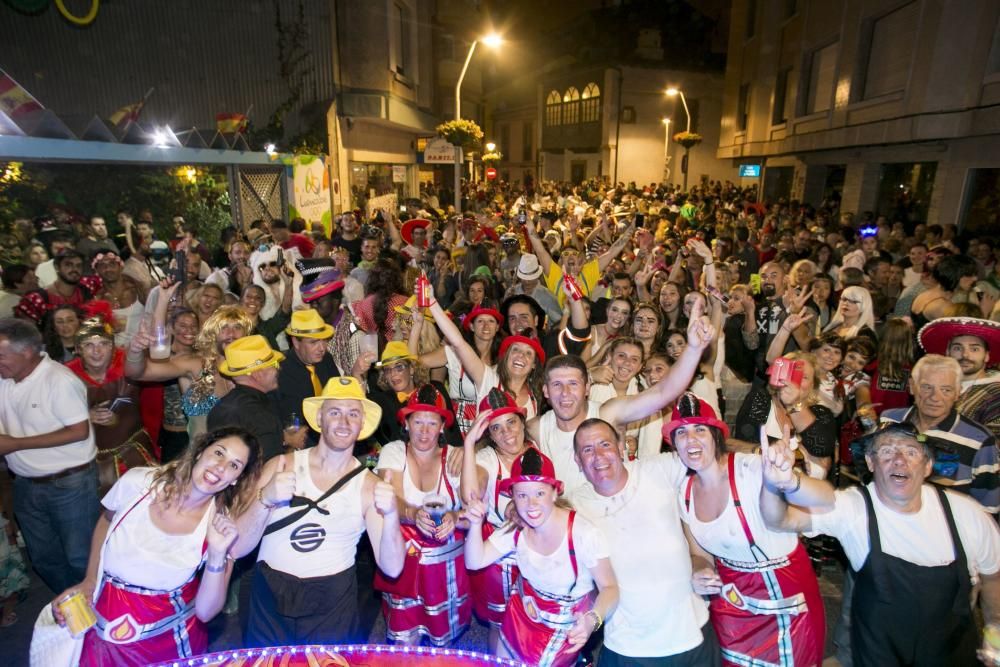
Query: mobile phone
point(785, 371)
point(640, 219)
point(522, 218)
point(281, 257)
point(714, 291)
point(180, 264)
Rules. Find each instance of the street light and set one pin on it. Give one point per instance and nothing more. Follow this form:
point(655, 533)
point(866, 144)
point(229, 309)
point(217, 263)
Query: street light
point(492, 40)
point(490, 147)
point(673, 92)
point(666, 148)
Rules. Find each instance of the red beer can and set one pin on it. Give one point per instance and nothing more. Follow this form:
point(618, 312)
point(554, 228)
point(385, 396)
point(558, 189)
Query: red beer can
point(574, 287)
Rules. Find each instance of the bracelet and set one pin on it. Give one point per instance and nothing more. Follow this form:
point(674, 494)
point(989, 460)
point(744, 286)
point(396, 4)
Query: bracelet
point(260, 499)
point(597, 618)
point(798, 484)
point(211, 568)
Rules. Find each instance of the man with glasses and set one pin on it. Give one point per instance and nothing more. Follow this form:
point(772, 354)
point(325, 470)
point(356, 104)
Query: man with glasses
point(916, 550)
point(966, 457)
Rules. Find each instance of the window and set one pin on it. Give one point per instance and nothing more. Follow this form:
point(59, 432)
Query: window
point(571, 106)
point(399, 32)
point(591, 105)
point(751, 18)
point(979, 210)
point(553, 107)
point(527, 142)
point(743, 108)
point(890, 52)
point(628, 115)
point(779, 112)
point(822, 77)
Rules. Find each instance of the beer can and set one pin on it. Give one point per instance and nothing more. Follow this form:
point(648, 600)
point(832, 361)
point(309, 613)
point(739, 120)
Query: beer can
point(78, 613)
point(574, 288)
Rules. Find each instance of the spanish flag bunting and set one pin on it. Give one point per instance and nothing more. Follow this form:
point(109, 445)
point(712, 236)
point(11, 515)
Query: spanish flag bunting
point(15, 101)
point(231, 123)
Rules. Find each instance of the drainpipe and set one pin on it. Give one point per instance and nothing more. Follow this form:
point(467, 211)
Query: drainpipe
point(618, 128)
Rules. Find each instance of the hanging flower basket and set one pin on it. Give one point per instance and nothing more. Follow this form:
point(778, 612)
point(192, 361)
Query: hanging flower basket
point(493, 157)
point(688, 139)
point(464, 133)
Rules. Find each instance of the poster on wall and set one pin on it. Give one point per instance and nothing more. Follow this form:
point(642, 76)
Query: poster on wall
point(399, 173)
point(384, 202)
point(310, 191)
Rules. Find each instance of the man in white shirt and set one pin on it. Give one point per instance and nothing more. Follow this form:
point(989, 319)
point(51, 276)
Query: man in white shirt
point(659, 620)
point(917, 550)
point(48, 443)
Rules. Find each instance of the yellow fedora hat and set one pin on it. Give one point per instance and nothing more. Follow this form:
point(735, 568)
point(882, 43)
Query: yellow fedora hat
point(343, 389)
point(308, 324)
point(406, 310)
point(395, 350)
point(248, 354)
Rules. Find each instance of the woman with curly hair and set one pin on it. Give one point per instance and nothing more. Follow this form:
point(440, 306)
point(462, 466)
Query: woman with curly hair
point(159, 562)
point(200, 382)
point(384, 291)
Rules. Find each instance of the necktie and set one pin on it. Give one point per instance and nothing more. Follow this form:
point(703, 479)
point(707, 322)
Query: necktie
point(317, 387)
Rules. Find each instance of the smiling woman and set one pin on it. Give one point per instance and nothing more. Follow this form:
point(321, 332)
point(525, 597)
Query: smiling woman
point(160, 528)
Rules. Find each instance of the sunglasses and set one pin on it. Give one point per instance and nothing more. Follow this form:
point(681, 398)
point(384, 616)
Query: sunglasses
point(269, 265)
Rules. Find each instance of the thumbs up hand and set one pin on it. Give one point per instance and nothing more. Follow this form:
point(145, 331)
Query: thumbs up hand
point(281, 486)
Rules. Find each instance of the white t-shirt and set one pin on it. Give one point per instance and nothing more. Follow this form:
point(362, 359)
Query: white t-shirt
point(393, 457)
point(140, 553)
point(558, 446)
point(922, 538)
point(51, 397)
point(553, 573)
point(724, 536)
point(658, 612)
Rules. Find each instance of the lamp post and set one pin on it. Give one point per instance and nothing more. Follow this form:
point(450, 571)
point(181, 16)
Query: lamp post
point(666, 149)
point(671, 92)
point(492, 41)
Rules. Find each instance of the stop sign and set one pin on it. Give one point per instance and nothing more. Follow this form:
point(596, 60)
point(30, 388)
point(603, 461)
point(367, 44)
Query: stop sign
point(491, 173)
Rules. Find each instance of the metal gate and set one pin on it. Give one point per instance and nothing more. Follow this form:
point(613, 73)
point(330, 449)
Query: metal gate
point(260, 194)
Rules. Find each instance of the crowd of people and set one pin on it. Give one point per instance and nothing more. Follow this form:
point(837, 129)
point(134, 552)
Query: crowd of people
point(600, 419)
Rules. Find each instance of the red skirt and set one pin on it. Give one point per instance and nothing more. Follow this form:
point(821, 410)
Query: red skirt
point(769, 613)
point(138, 626)
point(492, 586)
point(430, 598)
point(536, 625)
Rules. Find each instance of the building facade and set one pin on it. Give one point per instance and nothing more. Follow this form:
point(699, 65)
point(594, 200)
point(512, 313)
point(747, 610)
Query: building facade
point(610, 122)
point(888, 104)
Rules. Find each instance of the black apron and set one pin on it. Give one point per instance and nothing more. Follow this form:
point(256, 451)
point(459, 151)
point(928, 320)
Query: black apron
point(906, 614)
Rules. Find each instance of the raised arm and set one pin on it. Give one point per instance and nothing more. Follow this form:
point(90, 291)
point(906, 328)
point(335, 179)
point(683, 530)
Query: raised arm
point(435, 358)
point(382, 524)
point(478, 553)
point(474, 477)
point(627, 409)
point(780, 340)
point(782, 484)
point(616, 248)
point(544, 258)
point(274, 488)
point(471, 361)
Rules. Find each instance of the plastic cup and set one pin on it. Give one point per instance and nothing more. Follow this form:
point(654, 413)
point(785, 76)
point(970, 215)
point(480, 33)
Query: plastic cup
point(436, 506)
point(160, 347)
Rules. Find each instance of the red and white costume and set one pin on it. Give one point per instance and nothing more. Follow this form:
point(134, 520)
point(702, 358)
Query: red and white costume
point(769, 611)
point(145, 601)
point(551, 591)
point(462, 390)
point(431, 596)
point(493, 585)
